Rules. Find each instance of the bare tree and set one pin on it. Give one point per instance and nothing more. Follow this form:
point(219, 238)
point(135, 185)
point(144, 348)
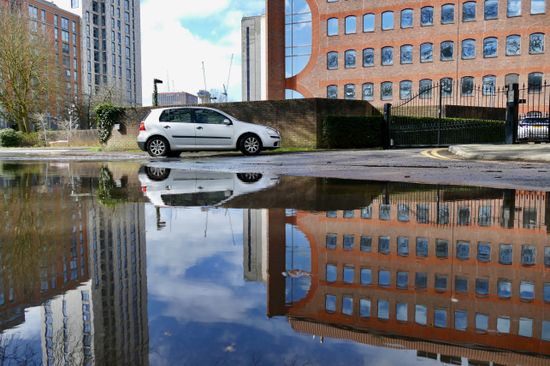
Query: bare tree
point(104, 94)
point(30, 77)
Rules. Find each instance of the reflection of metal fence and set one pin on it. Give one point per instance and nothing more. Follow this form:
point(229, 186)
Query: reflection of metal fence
point(448, 113)
point(534, 113)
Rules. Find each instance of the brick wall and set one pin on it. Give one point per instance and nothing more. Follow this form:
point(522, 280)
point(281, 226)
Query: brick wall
point(299, 121)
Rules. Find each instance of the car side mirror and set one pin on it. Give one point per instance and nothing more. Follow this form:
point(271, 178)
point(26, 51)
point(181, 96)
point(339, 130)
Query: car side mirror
point(227, 122)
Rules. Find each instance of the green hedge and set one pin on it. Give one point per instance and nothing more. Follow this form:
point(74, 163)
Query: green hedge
point(352, 132)
point(10, 138)
point(411, 131)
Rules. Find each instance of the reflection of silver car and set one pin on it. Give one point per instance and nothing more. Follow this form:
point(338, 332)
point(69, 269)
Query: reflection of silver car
point(166, 187)
point(533, 129)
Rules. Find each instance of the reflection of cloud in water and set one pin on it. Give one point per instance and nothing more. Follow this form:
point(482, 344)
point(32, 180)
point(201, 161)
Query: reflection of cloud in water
point(30, 329)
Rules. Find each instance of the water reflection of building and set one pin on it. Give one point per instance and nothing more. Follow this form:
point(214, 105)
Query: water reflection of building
point(255, 238)
point(432, 270)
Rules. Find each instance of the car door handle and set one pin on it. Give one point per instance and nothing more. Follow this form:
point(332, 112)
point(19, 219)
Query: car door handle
point(167, 127)
point(199, 128)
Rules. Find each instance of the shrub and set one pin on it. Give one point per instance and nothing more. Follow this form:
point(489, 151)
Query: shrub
point(10, 138)
point(352, 132)
point(31, 139)
point(107, 115)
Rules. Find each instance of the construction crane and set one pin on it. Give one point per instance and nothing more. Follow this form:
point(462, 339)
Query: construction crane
point(226, 86)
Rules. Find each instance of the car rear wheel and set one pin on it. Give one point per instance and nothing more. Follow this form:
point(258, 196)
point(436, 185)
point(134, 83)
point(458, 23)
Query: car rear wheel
point(158, 147)
point(250, 145)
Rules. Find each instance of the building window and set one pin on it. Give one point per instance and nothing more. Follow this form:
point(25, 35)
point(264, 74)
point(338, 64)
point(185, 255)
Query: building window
point(383, 309)
point(386, 90)
point(441, 248)
point(484, 252)
point(384, 278)
point(330, 303)
point(427, 16)
point(368, 91)
point(403, 246)
point(469, 11)
point(384, 245)
point(332, 27)
point(489, 88)
point(504, 288)
point(467, 86)
point(482, 287)
point(366, 212)
point(506, 254)
point(525, 327)
point(298, 32)
point(547, 256)
point(406, 54)
point(527, 291)
point(440, 318)
point(421, 315)
point(482, 322)
point(349, 274)
point(384, 212)
point(366, 276)
point(463, 250)
point(368, 23)
point(468, 49)
point(443, 212)
point(447, 14)
point(503, 325)
point(332, 60)
point(446, 85)
point(513, 45)
point(368, 57)
point(387, 20)
point(514, 8)
point(447, 50)
point(528, 255)
point(536, 43)
point(366, 244)
point(401, 312)
point(546, 292)
point(405, 89)
point(351, 25)
point(461, 284)
point(349, 91)
point(545, 334)
point(403, 212)
point(331, 241)
point(350, 59)
point(534, 82)
point(538, 6)
point(490, 46)
point(441, 283)
point(407, 18)
point(461, 320)
point(332, 273)
point(349, 242)
point(426, 52)
point(421, 247)
point(332, 92)
point(425, 89)
point(491, 9)
point(364, 308)
point(402, 281)
point(347, 305)
point(387, 56)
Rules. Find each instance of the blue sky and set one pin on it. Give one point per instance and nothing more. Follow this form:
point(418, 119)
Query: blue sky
point(178, 35)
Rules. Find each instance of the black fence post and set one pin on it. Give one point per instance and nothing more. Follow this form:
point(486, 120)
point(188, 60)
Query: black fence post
point(386, 136)
point(512, 114)
point(439, 116)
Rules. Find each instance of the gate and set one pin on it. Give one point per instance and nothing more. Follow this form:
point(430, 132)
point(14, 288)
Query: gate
point(534, 113)
point(448, 113)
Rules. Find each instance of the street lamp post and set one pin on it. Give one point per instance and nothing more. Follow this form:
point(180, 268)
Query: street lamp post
point(155, 92)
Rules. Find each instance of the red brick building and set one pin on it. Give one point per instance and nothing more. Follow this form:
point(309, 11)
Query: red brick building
point(388, 50)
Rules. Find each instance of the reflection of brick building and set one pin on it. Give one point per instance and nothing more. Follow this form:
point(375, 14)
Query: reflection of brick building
point(433, 266)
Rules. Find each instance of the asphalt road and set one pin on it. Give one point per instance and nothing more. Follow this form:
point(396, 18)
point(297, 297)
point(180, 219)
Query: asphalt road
point(432, 166)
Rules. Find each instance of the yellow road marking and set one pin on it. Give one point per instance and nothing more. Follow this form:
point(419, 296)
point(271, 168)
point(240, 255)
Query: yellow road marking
point(435, 154)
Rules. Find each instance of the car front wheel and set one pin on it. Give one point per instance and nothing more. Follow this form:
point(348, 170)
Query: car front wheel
point(158, 147)
point(250, 145)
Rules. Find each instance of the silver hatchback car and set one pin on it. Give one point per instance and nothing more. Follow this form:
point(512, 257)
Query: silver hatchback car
point(169, 131)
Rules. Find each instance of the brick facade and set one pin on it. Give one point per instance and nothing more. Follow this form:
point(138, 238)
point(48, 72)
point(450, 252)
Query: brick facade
point(316, 77)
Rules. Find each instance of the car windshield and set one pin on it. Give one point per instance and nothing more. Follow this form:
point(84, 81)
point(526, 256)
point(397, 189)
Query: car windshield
point(534, 121)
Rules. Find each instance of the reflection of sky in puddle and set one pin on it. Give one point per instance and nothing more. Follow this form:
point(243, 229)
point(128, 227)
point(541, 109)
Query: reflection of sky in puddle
point(201, 310)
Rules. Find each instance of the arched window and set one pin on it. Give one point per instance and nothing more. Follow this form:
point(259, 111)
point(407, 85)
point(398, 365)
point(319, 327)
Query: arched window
point(425, 88)
point(534, 82)
point(491, 9)
point(387, 20)
point(447, 14)
point(349, 91)
point(513, 45)
point(332, 60)
point(407, 18)
point(368, 91)
point(490, 46)
point(368, 57)
point(387, 56)
point(386, 90)
point(332, 27)
point(351, 24)
point(299, 35)
point(447, 50)
point(406, 54)
point(332, 92)
point(427, 15)
point(489, 84)
point(446, 85)
point(511, 79)
point(426, 52)
point(368, 23)
point(405, 89)
point(469, 11)
point(467, 86)
point(350, 59)
point(468, 49)
point(536, 43)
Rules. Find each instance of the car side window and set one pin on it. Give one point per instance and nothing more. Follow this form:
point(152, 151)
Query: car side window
point(209, 117)
point(177, 116)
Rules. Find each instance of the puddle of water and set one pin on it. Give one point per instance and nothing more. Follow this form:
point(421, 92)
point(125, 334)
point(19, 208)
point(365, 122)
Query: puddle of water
point(122, 264)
